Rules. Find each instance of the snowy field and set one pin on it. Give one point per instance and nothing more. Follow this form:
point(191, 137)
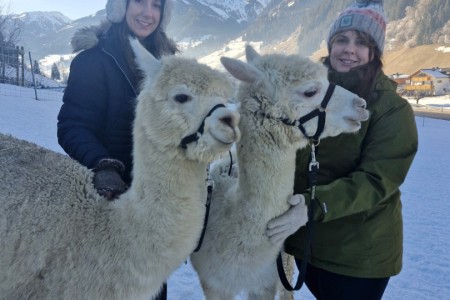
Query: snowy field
point(426, 200)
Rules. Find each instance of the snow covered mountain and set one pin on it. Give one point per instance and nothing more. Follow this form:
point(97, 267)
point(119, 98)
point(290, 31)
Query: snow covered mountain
point(47, 33)
point(42, 23)
point(240, 11)
point(199, 24)
point(202, 27)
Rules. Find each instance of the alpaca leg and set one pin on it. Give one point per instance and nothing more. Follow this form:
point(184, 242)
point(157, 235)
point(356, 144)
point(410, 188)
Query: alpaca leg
point(288, 265)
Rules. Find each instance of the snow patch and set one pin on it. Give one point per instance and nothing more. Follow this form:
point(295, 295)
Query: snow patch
point(443, 49)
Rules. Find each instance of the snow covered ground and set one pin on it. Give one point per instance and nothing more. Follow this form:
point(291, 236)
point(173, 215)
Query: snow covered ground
point(426, 200)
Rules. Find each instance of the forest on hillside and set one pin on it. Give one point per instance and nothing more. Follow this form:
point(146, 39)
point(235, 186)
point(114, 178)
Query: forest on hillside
point(427, 22)
point(415, 22)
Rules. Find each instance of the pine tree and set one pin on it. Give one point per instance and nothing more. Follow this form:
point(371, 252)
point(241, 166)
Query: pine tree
point(36, 68)
point(56, 75)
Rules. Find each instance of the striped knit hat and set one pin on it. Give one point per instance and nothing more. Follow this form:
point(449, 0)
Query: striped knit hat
point(365, 16)
point(116, 9)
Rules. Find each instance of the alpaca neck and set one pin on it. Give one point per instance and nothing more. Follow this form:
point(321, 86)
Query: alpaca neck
point(166, 200)
point(266, 166)
point(161, 179)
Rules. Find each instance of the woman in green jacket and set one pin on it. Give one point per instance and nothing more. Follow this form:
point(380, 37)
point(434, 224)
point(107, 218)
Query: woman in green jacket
point(357, 231)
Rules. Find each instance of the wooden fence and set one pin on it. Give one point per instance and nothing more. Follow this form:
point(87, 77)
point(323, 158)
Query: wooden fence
point(12, 65)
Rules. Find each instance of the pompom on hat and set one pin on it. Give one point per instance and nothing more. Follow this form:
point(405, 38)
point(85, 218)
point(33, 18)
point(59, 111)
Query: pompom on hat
point(365, 16)
point(116, 9)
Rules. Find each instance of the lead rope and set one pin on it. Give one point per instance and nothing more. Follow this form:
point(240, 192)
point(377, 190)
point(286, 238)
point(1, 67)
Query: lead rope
point(231, 163)
point(209, 189)
point(302, 264)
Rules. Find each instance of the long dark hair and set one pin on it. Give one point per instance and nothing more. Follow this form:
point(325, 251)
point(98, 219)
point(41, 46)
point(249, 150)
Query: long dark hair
point(366, 73)
point(157, 43)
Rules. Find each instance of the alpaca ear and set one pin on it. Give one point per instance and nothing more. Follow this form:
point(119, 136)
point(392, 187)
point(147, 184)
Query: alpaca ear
point(248, 73)
point(144, 59)
point(250, 54)
point(242, 71)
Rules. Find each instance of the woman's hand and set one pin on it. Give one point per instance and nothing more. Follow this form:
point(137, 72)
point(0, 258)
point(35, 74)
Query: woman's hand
point(107, 178)
point(279, 228)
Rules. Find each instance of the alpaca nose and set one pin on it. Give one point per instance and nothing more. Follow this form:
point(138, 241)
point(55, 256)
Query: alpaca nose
point(359, 103)
point(227, 120)
point(231, 119)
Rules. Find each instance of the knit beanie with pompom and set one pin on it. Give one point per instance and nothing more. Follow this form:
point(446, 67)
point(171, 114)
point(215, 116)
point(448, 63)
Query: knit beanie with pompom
point(365, 16)
point(116, 9)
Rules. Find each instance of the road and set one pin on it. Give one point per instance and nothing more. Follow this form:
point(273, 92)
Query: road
point(435, 113)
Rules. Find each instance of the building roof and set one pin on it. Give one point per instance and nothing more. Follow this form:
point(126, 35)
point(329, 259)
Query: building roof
point(433, 73)
point(399, 76)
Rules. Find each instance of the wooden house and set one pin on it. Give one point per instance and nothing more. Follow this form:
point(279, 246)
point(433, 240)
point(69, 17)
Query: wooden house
point(401, 80)
point(432, 82)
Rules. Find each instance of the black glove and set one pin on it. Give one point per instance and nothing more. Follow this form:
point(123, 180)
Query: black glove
point(107, 178)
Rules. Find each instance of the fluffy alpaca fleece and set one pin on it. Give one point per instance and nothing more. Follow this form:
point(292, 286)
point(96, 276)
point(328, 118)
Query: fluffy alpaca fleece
point(236, 255)
point(60, 240)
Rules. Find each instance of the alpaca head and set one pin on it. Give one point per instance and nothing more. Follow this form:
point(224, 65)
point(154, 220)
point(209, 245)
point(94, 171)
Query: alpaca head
point(177, 96)
point(289, 87)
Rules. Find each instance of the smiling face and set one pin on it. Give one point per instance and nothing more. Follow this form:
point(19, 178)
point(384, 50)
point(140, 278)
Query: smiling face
point(143, 16)
point(349, 50)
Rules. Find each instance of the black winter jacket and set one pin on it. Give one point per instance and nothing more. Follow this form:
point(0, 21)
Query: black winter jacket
point(97, 114)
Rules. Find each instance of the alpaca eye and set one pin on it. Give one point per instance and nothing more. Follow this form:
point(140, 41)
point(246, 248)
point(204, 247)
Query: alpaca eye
point(310, 93)
point(182, 98)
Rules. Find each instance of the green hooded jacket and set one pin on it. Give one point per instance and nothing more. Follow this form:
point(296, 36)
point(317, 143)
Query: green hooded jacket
point(358, 228)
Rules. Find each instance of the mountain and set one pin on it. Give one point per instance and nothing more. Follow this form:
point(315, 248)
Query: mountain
point(417, 35)
point(47, 33)
point(196, 24)
point(201, 27)
point(41, 23)
point(307, 22)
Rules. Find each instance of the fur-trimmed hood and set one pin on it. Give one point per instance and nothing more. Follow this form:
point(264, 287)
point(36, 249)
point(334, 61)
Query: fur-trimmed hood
point(88, 37)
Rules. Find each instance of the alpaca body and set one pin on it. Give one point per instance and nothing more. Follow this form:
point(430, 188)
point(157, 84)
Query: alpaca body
point(60, 240)
point(63, 240)
point(240, 257)
point(236, 254)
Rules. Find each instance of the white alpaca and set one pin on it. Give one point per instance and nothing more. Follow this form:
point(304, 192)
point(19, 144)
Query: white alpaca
point(60, 240)
point(236, 254)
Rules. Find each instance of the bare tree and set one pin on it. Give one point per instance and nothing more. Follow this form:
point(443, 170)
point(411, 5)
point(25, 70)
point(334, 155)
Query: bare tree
point(10, 28)
point(10, 31)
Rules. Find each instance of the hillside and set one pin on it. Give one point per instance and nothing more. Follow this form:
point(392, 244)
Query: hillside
point(204, 27)
point(406, 60)
point(415, 30)
point(410, 22)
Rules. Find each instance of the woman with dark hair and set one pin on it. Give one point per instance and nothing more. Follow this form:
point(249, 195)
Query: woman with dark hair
point(357, 241)
point(96, 118)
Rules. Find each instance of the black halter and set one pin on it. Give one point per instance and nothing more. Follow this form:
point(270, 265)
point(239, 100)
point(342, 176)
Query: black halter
point(312, 180)
point(209, 182)
point(195, 136)
point(319, 111)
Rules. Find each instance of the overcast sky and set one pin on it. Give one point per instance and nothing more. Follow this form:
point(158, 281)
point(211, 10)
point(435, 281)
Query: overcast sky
point(73, 9)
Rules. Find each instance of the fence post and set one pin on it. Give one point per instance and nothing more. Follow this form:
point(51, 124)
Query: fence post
point(16, 64)
point(32, 76)
point(3, 55)
point(22, 54)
